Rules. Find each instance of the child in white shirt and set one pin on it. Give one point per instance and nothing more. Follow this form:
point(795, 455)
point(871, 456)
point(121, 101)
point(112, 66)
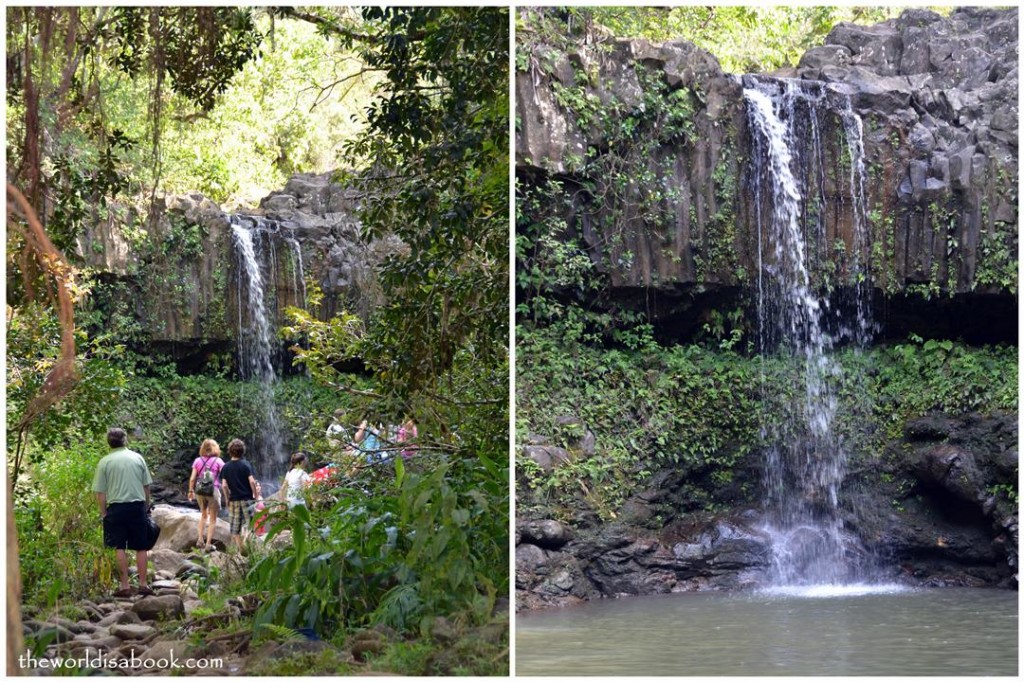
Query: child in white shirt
point(295, 480)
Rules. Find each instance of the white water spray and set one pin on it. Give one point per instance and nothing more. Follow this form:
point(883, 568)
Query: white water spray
point(806, 461)
point(255, 354)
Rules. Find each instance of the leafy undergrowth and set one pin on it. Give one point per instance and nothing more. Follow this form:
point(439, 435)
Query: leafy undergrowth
point(394, 570)
point(702, 411)
point(327, 662)
point(449, 647)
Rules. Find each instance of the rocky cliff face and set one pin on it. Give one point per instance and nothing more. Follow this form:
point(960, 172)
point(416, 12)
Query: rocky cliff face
point(651, 146)
point(182, 270)
point(640, 155)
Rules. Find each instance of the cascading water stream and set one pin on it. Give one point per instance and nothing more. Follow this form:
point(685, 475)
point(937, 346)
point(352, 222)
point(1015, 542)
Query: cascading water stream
point(806, 460)
point(255, 353)
point(298, 273)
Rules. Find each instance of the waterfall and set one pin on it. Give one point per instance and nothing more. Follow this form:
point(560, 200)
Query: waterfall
point(805, 464)
point(298, 273)
point(854, 133)
point(256, 346)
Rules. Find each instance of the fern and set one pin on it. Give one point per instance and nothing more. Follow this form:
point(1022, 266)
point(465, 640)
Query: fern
point(271, 632)
point(398, 608)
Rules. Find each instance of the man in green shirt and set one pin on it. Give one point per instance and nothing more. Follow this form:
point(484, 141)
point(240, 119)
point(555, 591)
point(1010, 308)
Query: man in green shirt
point(122, 485)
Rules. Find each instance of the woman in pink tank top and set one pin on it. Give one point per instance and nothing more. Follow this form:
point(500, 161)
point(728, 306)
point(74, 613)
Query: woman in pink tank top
point(207, 465)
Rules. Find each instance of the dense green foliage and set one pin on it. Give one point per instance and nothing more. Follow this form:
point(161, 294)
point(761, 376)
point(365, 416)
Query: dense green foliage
point(61, 540)
point(229, 102)
point(745, 39)
point(437, 142)
point(700, 410)
point(648, 407)
point(166, 416)
point(918, 376)
point(225, 101)
point(397, 556)
point(33, 344)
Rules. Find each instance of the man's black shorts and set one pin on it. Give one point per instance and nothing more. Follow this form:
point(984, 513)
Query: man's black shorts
point(124, 526)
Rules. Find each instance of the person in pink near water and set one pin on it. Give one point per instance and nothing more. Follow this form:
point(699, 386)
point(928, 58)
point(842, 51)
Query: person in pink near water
point(204, 488)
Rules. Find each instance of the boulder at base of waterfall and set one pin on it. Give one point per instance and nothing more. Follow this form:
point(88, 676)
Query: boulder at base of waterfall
point(529, 558)
point(548, 578)
point(179, 528)
point(953, 469)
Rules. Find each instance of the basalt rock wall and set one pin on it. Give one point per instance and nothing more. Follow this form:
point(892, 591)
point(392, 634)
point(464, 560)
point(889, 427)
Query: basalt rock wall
point(181, 270)
point(650, 146)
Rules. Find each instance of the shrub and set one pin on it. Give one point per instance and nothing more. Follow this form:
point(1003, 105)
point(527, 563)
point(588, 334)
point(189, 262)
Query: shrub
point(60, 534)
point(704, 412)
point(395, 558)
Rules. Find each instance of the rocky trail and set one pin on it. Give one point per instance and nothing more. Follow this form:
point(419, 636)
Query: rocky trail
point(173, 630)
point(147, 634)
point(188, 628)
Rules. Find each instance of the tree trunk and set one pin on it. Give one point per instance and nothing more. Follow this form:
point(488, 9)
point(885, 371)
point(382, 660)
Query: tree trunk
point(15, 640)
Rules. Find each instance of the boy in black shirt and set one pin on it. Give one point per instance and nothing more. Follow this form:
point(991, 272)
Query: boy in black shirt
point(240, 489)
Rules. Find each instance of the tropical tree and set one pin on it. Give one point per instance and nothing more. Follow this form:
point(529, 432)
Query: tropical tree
point(436, 151)
point(109, 107)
